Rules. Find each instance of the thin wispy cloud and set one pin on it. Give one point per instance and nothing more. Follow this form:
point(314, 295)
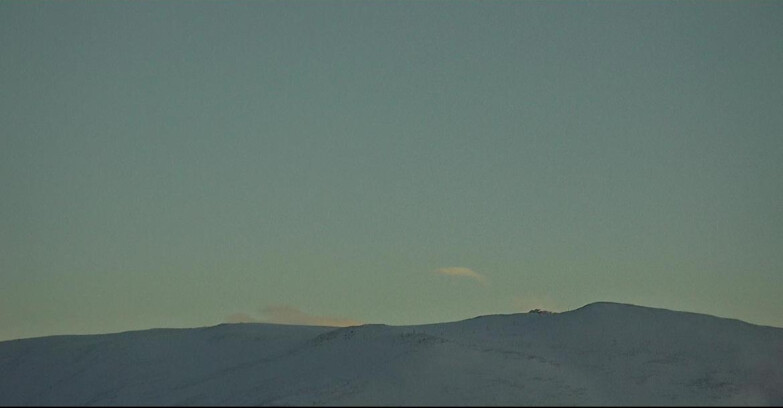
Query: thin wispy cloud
point(241, 318)
point(461, 272)
point(285, 314)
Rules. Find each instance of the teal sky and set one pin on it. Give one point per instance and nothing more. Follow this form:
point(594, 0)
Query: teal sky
point(179, 164)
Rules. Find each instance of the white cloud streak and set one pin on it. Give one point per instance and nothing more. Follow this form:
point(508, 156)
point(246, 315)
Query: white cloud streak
point(459, 271)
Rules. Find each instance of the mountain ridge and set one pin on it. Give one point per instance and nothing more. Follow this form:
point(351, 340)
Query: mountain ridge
point(586, 307)
point(603, 353)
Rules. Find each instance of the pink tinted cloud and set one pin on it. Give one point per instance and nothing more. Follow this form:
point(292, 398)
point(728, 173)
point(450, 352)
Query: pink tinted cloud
point(284, 314)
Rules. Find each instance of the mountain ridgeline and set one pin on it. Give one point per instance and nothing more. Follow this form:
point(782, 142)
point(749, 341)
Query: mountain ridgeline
point(600, 354)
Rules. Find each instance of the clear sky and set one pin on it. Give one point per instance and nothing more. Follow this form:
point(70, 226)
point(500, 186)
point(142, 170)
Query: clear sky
point(182, 164)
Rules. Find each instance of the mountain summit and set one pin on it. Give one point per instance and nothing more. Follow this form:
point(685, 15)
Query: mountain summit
point(600, 354)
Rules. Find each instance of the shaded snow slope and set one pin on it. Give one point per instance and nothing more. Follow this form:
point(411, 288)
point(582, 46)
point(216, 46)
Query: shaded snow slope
point(600, 354)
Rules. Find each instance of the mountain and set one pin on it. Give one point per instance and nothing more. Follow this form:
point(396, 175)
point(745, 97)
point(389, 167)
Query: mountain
point(600, 354)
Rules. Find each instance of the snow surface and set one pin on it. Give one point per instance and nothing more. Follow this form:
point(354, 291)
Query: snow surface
point(600, 354)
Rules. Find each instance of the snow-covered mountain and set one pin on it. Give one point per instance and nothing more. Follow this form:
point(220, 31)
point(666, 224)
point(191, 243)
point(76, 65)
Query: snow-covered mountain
point(600, 354)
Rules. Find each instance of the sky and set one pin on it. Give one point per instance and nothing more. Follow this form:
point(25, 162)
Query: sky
point(184, 164)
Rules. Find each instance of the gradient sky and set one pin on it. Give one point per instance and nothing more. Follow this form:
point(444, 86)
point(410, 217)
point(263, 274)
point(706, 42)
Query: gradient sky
point(183, 164)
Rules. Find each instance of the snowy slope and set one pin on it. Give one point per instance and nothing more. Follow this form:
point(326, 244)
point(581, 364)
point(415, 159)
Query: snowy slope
point(600, 354)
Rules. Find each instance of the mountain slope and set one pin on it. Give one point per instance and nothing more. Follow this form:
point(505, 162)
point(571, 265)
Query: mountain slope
point(600, 354)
